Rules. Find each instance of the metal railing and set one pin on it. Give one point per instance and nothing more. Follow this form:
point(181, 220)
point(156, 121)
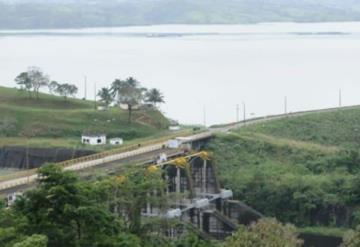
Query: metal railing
point(99, 158)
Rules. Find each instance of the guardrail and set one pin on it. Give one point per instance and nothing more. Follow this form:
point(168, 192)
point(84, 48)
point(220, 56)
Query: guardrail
point(99, 158)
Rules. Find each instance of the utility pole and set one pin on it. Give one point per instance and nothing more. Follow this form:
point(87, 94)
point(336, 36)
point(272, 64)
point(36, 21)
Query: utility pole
point(285, 105)
point(237, 113)
point(340, 98)
point(85, 87)
point(95, 96)
point(244, 112)
point(27, 158)
point(204, 117)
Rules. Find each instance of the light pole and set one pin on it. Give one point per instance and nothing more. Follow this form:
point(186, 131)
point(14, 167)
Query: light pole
point(285, 105)
point(340, 98)
point(95, 106)
point(204, 116)
point(244, 112)
point(237, 113)
point(85, 87)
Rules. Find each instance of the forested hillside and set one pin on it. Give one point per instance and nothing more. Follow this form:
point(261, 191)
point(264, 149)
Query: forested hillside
point(304, 170)
point(24, 14)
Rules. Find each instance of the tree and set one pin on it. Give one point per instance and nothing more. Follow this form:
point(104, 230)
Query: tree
point(154, 96)
point(53, 85)
point(131, 192)
point(24, 81)
point(68, 212)
point(352, 238)
point(128, 92)
point(38, 79)
point(266, 232)
point(66, 90)
point(105, 96)
point(33, 241)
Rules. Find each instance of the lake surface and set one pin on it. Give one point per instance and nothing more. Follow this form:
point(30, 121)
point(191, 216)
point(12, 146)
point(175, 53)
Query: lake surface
point(212, 67)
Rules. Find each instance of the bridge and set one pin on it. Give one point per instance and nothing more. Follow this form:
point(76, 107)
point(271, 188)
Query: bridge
point(22, 180)
point(204, 205)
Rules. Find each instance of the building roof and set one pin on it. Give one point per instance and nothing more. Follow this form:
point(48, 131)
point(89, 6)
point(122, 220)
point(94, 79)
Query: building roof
point(93, 134)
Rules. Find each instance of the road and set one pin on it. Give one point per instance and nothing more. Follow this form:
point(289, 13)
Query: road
point(148, 151)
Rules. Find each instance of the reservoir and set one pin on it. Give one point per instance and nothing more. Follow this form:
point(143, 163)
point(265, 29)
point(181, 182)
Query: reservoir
point(201, 68)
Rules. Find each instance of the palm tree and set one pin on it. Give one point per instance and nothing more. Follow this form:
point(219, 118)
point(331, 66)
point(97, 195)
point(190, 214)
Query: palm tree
point(128, 92)
point(154, 96)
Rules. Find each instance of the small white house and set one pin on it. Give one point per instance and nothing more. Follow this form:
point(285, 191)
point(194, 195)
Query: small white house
point(101, 108)
point(116, 141)
point(93, 139)
point(174, 127)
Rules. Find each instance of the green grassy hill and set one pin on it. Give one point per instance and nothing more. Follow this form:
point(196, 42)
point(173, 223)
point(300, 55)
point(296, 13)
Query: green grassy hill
point(304, 170)
point(54, 121)
point(339, 127)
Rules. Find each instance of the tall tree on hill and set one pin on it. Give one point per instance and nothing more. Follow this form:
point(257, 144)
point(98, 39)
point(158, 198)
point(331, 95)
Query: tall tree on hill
point(105, 96)
point(66, 90)
point(24, 81)
point(38, 79)
point(53, 85)
point(128, 92)
point(154, 96)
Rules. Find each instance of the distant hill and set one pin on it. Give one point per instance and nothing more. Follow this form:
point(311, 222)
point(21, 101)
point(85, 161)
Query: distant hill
point(27, 14)
point(52, 121)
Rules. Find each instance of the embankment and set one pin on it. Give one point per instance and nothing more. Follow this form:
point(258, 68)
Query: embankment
point(27, 158)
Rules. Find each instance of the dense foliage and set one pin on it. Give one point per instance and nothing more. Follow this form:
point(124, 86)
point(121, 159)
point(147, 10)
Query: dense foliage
point(352, 238)
point(64, 211)
point(265, 232)
point(303, 183)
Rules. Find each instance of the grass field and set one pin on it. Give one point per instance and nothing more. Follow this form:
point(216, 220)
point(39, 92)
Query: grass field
point(304, 169)
point(53, 121)
point(337, 128)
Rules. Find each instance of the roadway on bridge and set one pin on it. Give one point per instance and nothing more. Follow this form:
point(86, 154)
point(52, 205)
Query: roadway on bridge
point(147, 152)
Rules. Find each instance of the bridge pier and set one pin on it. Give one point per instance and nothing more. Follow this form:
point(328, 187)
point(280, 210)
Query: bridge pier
point(203, 205)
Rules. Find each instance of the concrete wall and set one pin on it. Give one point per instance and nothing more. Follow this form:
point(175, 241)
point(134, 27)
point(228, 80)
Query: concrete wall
point(23, 158)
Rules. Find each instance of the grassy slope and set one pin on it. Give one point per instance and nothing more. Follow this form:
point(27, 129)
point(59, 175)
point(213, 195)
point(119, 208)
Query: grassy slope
point(53, 121)
point(340, 128)
point(300, 169)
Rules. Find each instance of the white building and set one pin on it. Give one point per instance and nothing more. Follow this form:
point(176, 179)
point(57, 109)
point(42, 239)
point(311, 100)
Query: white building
point(174, 127)
point(116, 141)
point(93, 139)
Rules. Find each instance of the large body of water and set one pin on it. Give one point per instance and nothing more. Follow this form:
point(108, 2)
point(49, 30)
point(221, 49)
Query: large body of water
point(197, 67)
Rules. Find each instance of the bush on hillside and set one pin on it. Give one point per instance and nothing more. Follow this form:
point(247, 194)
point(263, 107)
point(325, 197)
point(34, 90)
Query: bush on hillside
point(266, 232)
